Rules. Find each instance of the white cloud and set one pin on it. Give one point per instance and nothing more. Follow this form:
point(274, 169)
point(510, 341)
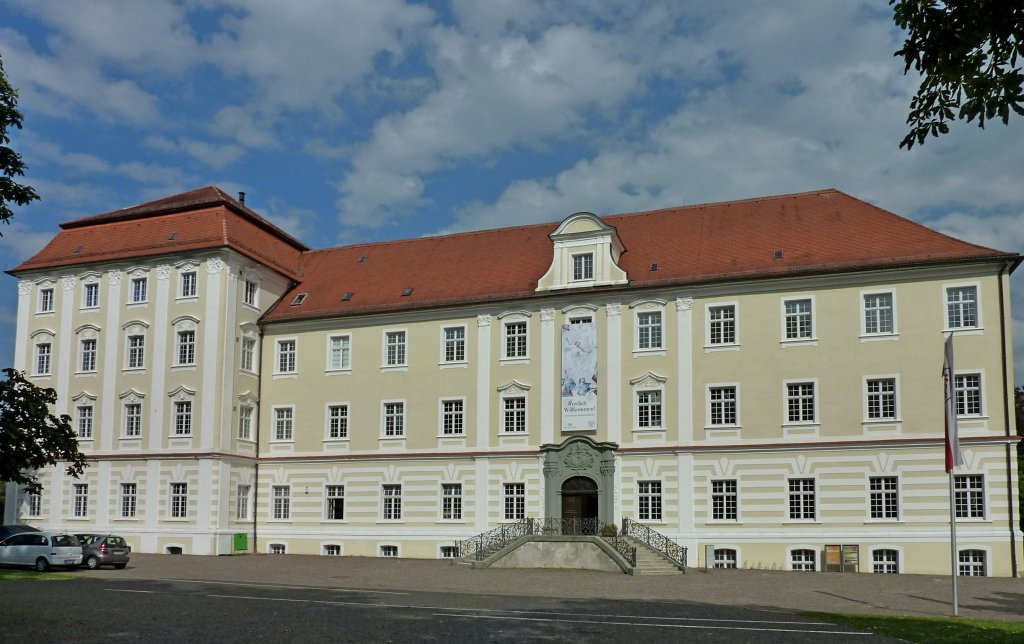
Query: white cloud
point(20, 241)
point(215, 155)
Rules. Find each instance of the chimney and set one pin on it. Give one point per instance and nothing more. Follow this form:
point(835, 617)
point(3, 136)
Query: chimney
point(241, 198)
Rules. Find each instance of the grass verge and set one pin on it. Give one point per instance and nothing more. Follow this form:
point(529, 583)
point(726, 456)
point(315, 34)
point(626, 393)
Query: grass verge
point(19, 575)
point(930, 630)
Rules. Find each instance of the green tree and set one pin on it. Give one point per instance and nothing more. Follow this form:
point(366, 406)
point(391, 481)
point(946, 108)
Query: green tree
point(966, 52)
point(11, 165)
point(31, 437)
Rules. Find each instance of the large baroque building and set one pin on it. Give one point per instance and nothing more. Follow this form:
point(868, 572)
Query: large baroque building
point(758, 379)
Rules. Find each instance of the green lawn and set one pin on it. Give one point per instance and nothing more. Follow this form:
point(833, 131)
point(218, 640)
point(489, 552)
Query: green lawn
point(18, 573)
point(931, 630)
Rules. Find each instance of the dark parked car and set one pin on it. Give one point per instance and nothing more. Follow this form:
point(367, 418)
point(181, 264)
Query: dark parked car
point(104, 550)
point(15, 528)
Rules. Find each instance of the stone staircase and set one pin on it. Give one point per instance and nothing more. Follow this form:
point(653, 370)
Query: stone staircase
point(650, 562)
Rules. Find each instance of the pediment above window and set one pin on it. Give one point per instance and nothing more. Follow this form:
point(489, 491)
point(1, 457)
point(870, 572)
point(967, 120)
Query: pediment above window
point(514, 388)
point(586, 254)
point(649, 380)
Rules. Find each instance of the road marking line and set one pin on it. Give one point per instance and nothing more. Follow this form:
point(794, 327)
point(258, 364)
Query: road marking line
point(256, 585)
point(124, 590)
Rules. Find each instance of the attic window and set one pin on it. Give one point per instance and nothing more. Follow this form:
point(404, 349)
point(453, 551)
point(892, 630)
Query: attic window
point(173, 235)
point(778, 254)
point(78, 249)
point(347, 296)
point(407, 292)
point(299, 299)
point(654, 266)
point(362, 258)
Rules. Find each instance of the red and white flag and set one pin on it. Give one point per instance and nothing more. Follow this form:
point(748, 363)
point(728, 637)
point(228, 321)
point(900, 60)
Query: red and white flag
point(953, 455)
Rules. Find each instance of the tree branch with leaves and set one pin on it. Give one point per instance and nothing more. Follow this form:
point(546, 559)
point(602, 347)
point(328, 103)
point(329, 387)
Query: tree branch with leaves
point(11, 165)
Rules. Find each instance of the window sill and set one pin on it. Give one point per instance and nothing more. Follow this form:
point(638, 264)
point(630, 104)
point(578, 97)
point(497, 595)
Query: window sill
point(183, 436)
point(183, 367)
point(648, 430)
point(884, 522)
point(879, 337)
point(287, 375)
point(342, 439)
point(129, 438)
point(798, 342)
point(135, 305)
point(282, 441)
point(390, 521)
point(715, 348)
point(79, 519)
point(643, 353)
point(86, 373)
point(247, 441)
point(451, 521)
point(254, 307)
point(453, 365)
point(187, 298)
point(133, 370)
point(721, 522)
point(45, 314)
point(399, 368)
point(338, 372)
point(803, 522)
point(332, 521)
point(460, 436)
point(511, 361)
point(964, 330)
point(507, 434)
point(177, 520)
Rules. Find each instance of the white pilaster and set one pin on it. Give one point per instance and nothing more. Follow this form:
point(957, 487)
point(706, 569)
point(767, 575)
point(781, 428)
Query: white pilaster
point(483, 381)
point(547, 377)
point(613, 377)
point(21, 329)
point(684, 342)
point(229, 334)
point(482, 496)
point(208, 389)
point(62, 368)
point(157, 357)
point(108, 425)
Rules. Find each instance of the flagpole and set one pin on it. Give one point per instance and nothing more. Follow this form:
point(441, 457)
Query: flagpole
point(952, 543)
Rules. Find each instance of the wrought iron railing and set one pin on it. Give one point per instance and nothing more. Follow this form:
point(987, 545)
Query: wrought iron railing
point(487, 543)
point(655, 540)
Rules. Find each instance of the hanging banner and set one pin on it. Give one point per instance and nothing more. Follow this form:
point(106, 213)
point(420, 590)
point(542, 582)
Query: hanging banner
point(579, 376)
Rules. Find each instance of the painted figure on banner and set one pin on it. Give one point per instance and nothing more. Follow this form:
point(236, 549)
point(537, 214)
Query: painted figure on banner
point(579, 376)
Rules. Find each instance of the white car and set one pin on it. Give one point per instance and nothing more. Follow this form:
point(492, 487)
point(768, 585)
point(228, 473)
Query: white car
point(41, 550)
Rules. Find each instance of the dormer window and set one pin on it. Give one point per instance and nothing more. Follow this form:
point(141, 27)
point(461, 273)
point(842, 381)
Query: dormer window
point(583, 267)
point(586, 254)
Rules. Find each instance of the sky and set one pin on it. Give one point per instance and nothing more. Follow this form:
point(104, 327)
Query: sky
point(352, 120)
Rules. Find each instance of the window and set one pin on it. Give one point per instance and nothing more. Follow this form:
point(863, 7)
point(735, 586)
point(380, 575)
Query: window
point(885, 561)
point(649, 501)
point(801, 499)
point(338, 353)
point(392, 503)
point(91, 296)
point(43, 359)
point(451, 501)
point(394, 348)
point(334, 498)
point(449, 552)
point(515, 501)
point(722, 406)
point(88, 355)
point(389, 551)
point(583, 267)
point(452, 417)
point(962, 307)
point(515, 340)
point(514, 414)
point(798, 320)
point(133, 420)
point(802, 559)
point(724, 500)
point(648, 330)
point(33, 504)
point(179, 500)
point(182, 417)
point(332, 550)
point(968, 394)
point(722, 324)
point(248, 354)
point(281, 502)
point(455, 344)
point(881, 398)
point(85, 421)
point(188, 284)
point(879, 317)
point(284, 418)
point(245, 422)
point(46, 300)
point(81, 499)
point(140, 286)
point(278, 549)
point(136, 351)
point(337, 421)
point(971, 563)
point(286, 356)
point(648, 409)
point(969, 496)
point(250, 292)
point(186, 347)
point(394, 419)
point(800, 402)
point(129, 500)
point(885, 497)
point(242, 502)
point(725, 558)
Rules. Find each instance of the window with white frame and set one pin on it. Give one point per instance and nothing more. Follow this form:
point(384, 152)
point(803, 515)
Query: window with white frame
point(187, 284)
point(724, 500)
point(278, 549)
point(250, 292)
point(286, 356)
point(81, 499)
point(389, 551)
point(182, 417)
point(452, 417)
point(798, 319)
point(515, 339)
point(43, 350)
point(962, 307)
point(394, 348)
point(394, 419)
point(87, 356)
point(337, 421)
point(179, 500)
point(800, 402)
point(46, 300)
point(91, 296)
point(648, 330)
point(186, 347)
point(451, 501)
point(334, 503)
point(885, 561)
point(242, 501)
point(583, 267)
point(513, 414)
point(139, 290)
point(971, 563)
point(449, 552)
point(722, 325)
point(339, 353)
point(284, 423)
point(802, 499)
point(281, 502)
point(129, 500)
point(454, 343)
point(132, 420)
point(649, 500)
point(648, 409)
point(245, 416)
point(725, 558)
point(515, 501)
point(136, 352)
point(722, 405)
point(803, 559)
point(391, 502)
point(879, 314)
point(884, 493)
point(33, 504)
point(248, 358)
point(968, 394)
point(969, 496)
point(881, 398)
point(85, 418)
point(332, 550)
